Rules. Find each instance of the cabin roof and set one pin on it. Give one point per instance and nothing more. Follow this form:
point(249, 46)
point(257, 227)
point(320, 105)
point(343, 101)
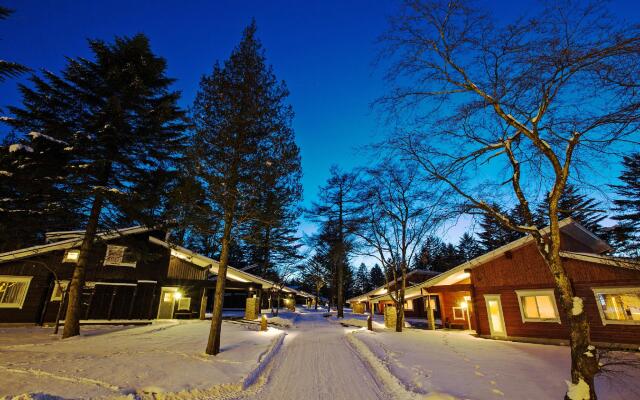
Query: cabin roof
point(65, 244)
point(233, 274)
point(567, 225)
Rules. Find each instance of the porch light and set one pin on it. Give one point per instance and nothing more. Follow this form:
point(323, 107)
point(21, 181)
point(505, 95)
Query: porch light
point(177, 295)
point(251, 288)
point(464, 304)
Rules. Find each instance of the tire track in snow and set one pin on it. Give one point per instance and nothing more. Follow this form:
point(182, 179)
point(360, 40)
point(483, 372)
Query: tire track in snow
point(76, 379)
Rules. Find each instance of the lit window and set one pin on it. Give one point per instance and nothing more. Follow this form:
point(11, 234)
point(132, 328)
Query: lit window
point(71, 256)
point(538, 305)
point(618, 305)
point(119, 256)
point(408, 305)
point(58, 290)
point(13, 290)
point(458, 313)
point(184, 303)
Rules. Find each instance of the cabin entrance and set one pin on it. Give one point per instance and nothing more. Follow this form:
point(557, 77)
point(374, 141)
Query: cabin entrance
point(494, 312)
point(167, 302)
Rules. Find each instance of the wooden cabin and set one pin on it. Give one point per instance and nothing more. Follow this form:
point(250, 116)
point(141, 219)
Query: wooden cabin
point(509, 293)
point(132, 275)
point(413, 307)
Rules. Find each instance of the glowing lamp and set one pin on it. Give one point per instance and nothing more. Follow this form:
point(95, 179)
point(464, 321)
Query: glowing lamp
point(177, 295)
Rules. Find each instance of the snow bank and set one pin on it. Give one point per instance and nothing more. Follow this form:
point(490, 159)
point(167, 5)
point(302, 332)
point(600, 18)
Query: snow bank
point(390, 382)
point(283, 322)
point(353, 322)
point(5, 173)
point(162, 360)
point(481, 369)
point(578, 391)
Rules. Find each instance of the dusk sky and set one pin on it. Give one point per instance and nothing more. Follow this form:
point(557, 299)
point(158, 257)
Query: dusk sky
point(323, 50)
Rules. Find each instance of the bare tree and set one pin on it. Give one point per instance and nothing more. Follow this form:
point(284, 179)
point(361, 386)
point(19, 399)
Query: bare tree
point(397, 214)
point(510, 112)
point(313, 273)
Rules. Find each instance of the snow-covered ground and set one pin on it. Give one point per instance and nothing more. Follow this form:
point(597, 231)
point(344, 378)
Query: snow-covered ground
point(319, 358)
point(467, 367)
point(108, 361)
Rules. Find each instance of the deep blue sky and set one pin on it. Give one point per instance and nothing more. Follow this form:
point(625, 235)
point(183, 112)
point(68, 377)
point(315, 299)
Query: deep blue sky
point(322, 49)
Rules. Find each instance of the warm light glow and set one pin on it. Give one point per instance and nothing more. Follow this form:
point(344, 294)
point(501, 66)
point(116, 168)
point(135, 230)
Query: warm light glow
point(72, 255)
point(251, 288)
point(464, 275)
point(464, 304)
point(177, 295)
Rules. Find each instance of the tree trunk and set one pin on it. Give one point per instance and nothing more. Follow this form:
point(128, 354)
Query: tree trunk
point(340, 294)
point(213, 345)
point(584, 362)
point(72, 317)
point(317, 297)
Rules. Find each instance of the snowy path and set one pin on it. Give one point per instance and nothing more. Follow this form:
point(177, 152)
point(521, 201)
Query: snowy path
point(317, 362)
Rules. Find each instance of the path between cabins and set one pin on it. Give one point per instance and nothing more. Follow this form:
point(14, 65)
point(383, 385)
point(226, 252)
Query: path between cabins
point(317, 362)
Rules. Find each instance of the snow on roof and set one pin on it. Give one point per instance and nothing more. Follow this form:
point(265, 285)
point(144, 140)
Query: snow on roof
point(457, 274)
point(66, 244)
point(18, 146)
point(233, 274)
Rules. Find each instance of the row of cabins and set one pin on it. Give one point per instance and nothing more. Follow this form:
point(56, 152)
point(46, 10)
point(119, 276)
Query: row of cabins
point(509, 293)
point(133, 274)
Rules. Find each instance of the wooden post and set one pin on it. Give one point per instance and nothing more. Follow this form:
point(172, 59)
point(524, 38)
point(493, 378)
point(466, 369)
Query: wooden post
point(113, 298)
point(133, 301)
point(263, 323)
point(203, 304)
point(432, 319)
point(369, 323)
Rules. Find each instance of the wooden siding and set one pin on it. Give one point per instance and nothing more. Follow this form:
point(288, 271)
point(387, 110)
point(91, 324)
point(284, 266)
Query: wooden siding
point(525, 269)
point(181, 269)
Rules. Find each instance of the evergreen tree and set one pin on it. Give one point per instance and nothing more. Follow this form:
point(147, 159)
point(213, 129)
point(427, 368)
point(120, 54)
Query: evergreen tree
point(376, 276)
point(120, 124)
point(9, 69)
point(627, 207)
point(338, 210)
point(270, 236)
point(582, 208)
point(361, 280)
point(468, 247)
point(240, 117)
point(494, 234)
point(32, 196)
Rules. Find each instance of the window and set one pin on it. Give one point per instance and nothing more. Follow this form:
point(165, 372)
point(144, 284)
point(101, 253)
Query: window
point(119, 256)
point(618, 305)
point(184, 303)
point(13, 290)
point(56, 295)
point(458, 313)
point(538, 305)
point(408, 305)
point(71, 256)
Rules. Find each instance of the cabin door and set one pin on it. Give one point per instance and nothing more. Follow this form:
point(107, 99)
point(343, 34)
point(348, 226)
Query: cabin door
point(167, 303)
point(494, 312)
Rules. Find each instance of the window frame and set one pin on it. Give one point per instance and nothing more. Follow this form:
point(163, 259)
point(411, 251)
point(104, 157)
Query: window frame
point(614, 290)
point(65, 284)
point(121, 263)
point(21, 279)
point(453, 312)
point(180, 308)
point(538, 292)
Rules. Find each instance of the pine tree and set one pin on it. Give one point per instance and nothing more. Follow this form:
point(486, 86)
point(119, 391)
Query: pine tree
point(32, 196)
point(338, 209)
point(120, 124)
point(270, 237)
point(627, 207)
point(494, 234)
point(9, 69)
point(584, 209)
point(468, 247)
point(376, 276)
point(239, 116)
